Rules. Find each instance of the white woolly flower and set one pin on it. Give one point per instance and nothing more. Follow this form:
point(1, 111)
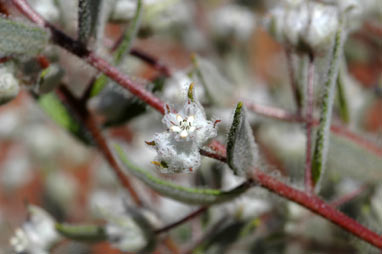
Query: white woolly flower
point(308, 25)
point(187, 130)
point(233, 20)
point(37, 234)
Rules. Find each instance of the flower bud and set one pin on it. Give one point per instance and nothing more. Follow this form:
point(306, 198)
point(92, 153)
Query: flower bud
point(308, 27)
point(9, 85)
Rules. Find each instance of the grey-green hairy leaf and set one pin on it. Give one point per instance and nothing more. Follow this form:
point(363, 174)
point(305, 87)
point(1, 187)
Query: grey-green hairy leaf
point(146, 227)
point(86, 233)
point(322, 137)
point(87, 18)
point(17, 38)
point(130, 34)
point(341, 98)
point(242, 152)
point(183, 194)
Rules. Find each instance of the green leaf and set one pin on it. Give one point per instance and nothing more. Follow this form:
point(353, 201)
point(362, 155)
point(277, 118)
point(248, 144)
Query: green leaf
point(56, 110)
point(183, 194)
point(322, 137)
point(242, 151)
point(130, 34)
point(122, 50)
point(341, 98)
point(87, 18)
point(83, 233)
point(99, 85)
point(17, 38)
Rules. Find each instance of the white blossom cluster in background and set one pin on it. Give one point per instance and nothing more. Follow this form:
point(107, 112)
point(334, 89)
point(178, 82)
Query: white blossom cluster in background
point(37, 234)
point(304, 24)
point(187, 131)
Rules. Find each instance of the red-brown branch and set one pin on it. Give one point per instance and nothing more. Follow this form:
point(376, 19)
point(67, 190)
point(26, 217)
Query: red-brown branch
point(283, 115)
point(318, 206)
point(308, 201)
point(273, 112)
point(190, 216)
point(91, 125)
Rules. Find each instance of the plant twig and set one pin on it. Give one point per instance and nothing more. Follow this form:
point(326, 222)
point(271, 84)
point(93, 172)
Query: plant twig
point(347, 197)
point(318, 206)
point(151, 60)
point(189, 217)
point(283, 115)
point(93, 128)
point(273, 112)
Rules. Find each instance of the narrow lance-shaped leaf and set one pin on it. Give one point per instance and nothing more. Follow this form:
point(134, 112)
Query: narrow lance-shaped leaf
point(87, 16)
point(322, 137)
point(17, 38)
point(130, 34)
point(242, 152)
point(123, 48)
point(201, 78)
point(86, 233)
point(183, 194)
point(146, 227)
point(342, 100)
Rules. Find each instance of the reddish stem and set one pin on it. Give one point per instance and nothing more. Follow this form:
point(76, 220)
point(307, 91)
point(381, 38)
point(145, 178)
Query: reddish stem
point(183, 220)
point(283, 115)
point(152, 61)
point(349, 196)
point(361, 141)
point(309, 186)
point(273, 112)
point(318, 206)
point(125, 82)
point(92, 126)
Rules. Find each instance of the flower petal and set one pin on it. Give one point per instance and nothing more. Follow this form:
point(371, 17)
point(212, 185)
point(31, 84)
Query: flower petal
point(175, 129)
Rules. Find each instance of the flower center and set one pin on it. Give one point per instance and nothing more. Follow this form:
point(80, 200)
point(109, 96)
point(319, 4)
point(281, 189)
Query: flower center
point(184, 126)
